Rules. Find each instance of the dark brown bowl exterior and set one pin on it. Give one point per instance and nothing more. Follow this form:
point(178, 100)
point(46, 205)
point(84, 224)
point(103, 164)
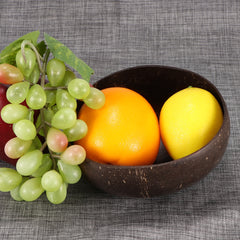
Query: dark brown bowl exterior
point(156, 84)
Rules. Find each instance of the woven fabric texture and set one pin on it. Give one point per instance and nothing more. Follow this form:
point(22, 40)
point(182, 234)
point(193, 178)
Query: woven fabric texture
point(201, 36)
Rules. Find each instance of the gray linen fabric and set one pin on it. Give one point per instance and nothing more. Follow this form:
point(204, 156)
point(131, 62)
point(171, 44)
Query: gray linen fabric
point(202, 36)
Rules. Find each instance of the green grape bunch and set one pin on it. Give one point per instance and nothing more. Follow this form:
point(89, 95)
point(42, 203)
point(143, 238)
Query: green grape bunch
point(43, 94)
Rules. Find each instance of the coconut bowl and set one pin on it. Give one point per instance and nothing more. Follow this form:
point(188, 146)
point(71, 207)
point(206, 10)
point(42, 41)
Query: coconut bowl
point(157, 83)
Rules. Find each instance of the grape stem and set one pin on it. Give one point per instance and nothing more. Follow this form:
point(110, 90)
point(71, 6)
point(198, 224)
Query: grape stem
point(44, 123)
point(42, 85)
point(43, 146)
point(39, 128)
point(53, 159)
point(47, 123)
point(56, 156)
point(44, 68)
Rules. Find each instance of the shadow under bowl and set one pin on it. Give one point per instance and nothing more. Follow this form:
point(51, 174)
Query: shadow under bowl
point(157, 83)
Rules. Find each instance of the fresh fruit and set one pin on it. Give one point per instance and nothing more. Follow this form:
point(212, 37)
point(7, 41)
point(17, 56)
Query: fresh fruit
point(12, 113)
point(95, 99)
point(77, 131)
point(58, 196)
point(36, 97)
point(25, 129)
point(70, 173)
point(73, 155)
point(64, 118)
point(9, 74)
point(57, 141)
point(51, 181)
point(79, 88)
point(29, 162)
point(41, 108)
point(17, 92)
point(124, 131)
point(189, 119)
point(16, 147)
point(26, 61)
point(9, 179)
point(31, 189)
point(55, 72)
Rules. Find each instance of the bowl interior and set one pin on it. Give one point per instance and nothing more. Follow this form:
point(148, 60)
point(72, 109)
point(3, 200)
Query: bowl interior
point(157, 83)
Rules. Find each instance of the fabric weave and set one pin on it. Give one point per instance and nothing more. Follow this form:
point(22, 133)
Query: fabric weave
point(201, 36)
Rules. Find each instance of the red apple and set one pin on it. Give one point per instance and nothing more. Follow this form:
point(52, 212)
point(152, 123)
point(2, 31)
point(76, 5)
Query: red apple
point(6, 131)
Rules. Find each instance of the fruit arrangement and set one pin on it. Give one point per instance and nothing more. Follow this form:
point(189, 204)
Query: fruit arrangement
point(126, 131)
point(40, 94)
point(47, 135)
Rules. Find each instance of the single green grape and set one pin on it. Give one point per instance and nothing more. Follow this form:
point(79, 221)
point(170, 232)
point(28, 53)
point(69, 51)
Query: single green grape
point(70, 173)
point(26, 65)
point(73, 155)
point(64, 118)
point(29, 162)
point(25, 129)
point(55, 72)
point(65, 100)
point(77, 131)
point(58, 196)
point(79, 88)
point(16, 147)
point(36, 98)
point(95, 99)
point(9, 179)
point(11, 113)
point(51, 181)
point(31, 189)
point(17, 92)
point(56, 140)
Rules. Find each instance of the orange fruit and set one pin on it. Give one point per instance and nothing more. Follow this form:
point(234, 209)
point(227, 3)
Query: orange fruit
point(189, 119)
point(125, 131)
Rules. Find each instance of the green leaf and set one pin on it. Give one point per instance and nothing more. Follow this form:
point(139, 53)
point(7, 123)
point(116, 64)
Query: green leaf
point(41, 48)
point(8, 54)
point(63, 53)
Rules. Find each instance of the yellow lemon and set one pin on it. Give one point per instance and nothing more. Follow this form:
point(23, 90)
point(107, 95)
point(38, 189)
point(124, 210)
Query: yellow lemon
point(188, 120)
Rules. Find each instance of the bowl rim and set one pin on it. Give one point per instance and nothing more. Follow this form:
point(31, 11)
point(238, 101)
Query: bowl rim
point(225, 124)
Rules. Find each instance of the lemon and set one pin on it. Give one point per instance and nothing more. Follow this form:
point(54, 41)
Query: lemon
point(188, 120)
